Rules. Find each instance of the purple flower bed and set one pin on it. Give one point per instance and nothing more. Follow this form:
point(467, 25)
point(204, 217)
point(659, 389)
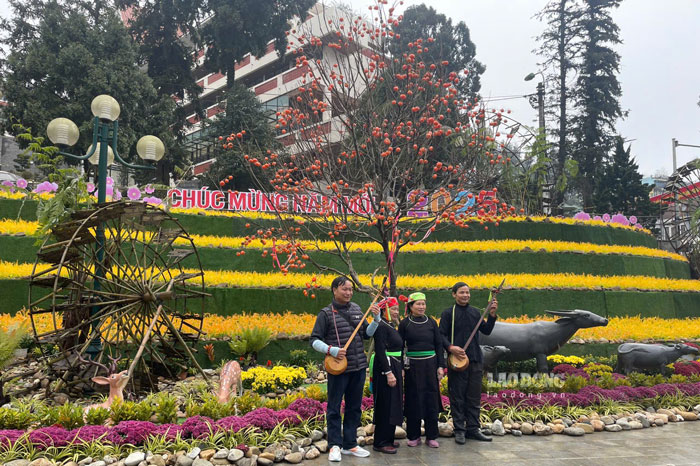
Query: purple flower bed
point(587, 396)
point(136, 432)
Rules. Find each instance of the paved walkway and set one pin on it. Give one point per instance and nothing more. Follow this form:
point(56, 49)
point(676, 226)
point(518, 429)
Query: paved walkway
point(673, 444)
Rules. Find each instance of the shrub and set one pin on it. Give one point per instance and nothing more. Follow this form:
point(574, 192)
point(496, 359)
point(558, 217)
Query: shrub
point(315, 392)
point(299, 357)
point(263, 380)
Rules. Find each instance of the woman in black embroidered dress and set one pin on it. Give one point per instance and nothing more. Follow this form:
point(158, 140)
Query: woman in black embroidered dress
point(426, 365)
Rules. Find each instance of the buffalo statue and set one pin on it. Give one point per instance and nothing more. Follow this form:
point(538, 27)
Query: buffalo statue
point(541, 338)
point(652, 358)
point(492, 354)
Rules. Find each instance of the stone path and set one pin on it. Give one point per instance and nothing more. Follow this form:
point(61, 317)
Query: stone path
point(673, 444)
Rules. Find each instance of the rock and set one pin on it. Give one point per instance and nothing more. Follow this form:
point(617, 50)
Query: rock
point(252, 451)
point(607, 420)
point(135, 458)
point(665, 411)
point(252, 461)
point(658, 422)
point(305, 442)
point(369, 440)
point(651, 409)
point(322, 445)
point(61, 399)
point(526, 428)
point(317, 435)
point(597, 425)
point(445, 429)
point(497, 428)
point(688, 416)
point(184, 460)
point(558, 428)
point(294, 458)
point(641, 418)
point(361, 441)
point(70, 463)
point(266, 456)
point(635, 425)
point(623, 423)
point(558, 421)
point(17, 463)
point(280, 453)
point(587, 428)
point(207, 454)
point(361, 432)
point(400, 433)
point(574, 431)
point(516, 433)
point(97, 463)
point(111, 459)
point(265, 462)
point(143, 463)
point(542, 430)
point(613, 428)
point(271, 448)
point(201, 462)
point(193, 453)
point(220, 454)
point(41, 462)
point(663, 417)
point(85, 461)
point(313, 453)
point(235, 454)
point(369, 428)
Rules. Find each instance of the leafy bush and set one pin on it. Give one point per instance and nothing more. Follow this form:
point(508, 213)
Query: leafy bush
point(16, 418)
point(165, 408)
point(529, 366)
point(574, 383)
point(250, 342)
point(299, 357)
point(315, 392)
point(69, 415)
point(96, 416)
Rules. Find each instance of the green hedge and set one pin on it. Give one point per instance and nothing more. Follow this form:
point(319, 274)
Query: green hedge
point(230, 301)
point(235, 226)
point(22, 249)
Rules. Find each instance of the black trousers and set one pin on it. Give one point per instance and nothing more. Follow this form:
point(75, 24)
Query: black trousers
point(349, 385)
point(465, 397)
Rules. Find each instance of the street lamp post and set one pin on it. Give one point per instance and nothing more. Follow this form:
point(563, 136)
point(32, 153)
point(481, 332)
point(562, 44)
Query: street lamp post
point(540, 99)
point(102, 152)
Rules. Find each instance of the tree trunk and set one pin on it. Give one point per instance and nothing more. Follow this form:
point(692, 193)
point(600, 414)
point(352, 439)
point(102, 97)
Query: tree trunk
point(557, 196)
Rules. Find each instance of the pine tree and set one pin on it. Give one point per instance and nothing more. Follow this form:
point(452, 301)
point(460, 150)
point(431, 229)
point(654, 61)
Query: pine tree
point(597, 93)
point(560, 47)
point(619, 188)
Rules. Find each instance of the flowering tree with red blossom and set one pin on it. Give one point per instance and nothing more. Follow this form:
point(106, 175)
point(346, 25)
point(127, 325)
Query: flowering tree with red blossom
point(378, 148)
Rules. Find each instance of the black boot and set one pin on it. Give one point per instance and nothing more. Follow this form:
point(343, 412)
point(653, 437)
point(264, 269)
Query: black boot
point(478, 436)
point(459, 438)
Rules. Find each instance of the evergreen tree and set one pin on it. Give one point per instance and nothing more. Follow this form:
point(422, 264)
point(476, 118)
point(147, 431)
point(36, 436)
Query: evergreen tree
point(443, 41)
point(560, 48)
point(597, 93)
point(243, 111)
point(619, 188)
point(61, 55)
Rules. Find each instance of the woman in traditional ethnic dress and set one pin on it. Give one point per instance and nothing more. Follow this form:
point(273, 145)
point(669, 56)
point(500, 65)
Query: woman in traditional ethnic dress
point(387, 380)
point(426, 365)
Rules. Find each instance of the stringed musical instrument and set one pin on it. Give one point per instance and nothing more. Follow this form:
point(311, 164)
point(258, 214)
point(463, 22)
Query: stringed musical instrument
point(337, 366)
point(460, 364)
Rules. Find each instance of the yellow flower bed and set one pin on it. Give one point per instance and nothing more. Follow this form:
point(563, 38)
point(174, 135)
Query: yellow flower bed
point(262, 380)
point(11, 227)
point(561, 359)
point(618, 329)
point(230, 278)
point(268, 216)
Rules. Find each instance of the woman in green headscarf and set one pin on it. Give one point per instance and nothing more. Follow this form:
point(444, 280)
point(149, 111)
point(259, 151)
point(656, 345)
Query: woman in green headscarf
point(426, 366)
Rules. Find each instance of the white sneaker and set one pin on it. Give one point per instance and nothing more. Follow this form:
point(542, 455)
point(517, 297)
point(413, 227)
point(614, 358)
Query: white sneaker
point(334, 454)
point(357, 451)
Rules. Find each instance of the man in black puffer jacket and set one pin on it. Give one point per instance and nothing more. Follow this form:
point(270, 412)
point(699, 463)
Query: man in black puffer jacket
point(334, 325)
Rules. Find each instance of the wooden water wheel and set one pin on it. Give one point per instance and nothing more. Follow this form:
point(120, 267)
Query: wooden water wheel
point(144, 286)
point(682, 199)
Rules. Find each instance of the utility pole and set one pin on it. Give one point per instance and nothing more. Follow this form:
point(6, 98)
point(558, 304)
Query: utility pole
point(540, 106)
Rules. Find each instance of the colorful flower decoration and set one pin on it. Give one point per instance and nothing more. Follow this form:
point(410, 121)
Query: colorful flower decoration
point(134, 193)
point(149, 189)
point(22, 183)
point(90, 187)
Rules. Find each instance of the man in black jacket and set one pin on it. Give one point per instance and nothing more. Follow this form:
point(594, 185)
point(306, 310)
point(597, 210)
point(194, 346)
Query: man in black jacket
point(333, 328)
point(465, 387)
